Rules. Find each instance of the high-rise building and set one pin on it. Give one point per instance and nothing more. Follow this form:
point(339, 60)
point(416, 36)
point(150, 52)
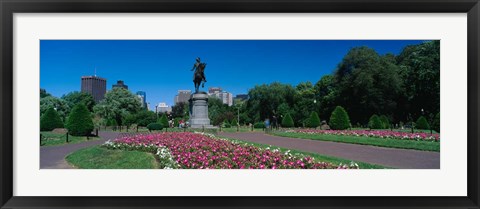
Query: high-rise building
point(120, 84)
point(241, 97)
point(162, 107)
point(226, 97)
point(182, 96)
point(142, 96)
point(94, 85)
point(214, 90)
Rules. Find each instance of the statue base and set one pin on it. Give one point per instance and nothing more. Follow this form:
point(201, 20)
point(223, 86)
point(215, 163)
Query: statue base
point(199, 111)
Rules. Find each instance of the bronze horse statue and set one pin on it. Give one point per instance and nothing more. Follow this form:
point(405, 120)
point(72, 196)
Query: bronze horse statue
point(199, 76)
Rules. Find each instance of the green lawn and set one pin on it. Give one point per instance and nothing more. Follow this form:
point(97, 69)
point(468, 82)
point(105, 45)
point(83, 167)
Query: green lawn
point(324, 158)
point(52, 139)
point(101, 158)
point(392, 143)
point(241, 129)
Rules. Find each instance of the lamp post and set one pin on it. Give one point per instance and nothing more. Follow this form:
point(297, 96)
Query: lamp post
point(156, 114)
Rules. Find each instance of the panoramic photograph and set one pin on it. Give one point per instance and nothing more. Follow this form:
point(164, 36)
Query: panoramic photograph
point(239, 104)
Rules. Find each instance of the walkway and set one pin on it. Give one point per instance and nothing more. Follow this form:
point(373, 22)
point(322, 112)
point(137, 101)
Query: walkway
point(53, 157)
point(396, 158)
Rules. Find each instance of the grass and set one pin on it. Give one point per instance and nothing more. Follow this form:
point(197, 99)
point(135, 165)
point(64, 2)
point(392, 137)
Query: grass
point(98, 157)
point(241, 129)
point(55, 139)
point(323, 158)
point(380, 142)
point(408, 130)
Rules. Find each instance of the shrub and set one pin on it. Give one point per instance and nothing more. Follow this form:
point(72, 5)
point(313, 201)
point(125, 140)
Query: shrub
point(314, 120)
point(50, 120)
point(422, 123)
point(259, 125)
point(436, 123)
point(339, 119)
point(79, 121)
point(385, 121)
point(287, 121)
point(375, 122)
point(234, 122)
point(226, 124)
point(163, 120)
point(154, 126)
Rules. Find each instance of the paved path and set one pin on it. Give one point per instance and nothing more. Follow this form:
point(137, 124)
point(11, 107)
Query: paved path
point(396, 158)
point(53, 157)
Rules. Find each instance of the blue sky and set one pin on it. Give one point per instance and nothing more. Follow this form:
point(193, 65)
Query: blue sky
point(161, 67)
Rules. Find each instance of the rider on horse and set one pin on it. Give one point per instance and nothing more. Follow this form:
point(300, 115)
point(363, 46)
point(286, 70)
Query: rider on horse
point(197, 67)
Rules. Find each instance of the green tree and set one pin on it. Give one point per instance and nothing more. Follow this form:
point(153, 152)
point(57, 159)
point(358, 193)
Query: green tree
point(436, 123)
point(57, 104)
point(43, 93)
point(304, 104)
point(314, 120)
point(145, 117)
point(326, 95)
point(180, 109)
point(50, 120)
point(385, 121)
point(367, 83)
point(129, 120)
point(375, 122)
point(118, 103)
point(76, 97)
point(287, 121)
point(420, 72)
point(79, 121)
point(265, 99)
point(163, 120)
point(339, 120)
point(422, 123)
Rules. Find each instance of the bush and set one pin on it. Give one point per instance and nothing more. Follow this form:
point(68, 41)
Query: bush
point(163, 120)
point(234, 122)
point(385, 121)
point(50, 120)
point(287, 121)
point(259, 125)
point(375, 122)
point(314, 120)
point(339, 119)
point(226, 125)
point(436, 123)
point(422, 123)
point(79, 121)
point(154, 126)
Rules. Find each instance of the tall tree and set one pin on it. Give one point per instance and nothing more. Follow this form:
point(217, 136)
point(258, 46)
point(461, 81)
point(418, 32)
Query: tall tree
point(305, 102)
point(264, 100)
point(57, 104)
point(43, 93)
point(74, 98)
point(420, 72)
point(367, 83)
point(117, 103)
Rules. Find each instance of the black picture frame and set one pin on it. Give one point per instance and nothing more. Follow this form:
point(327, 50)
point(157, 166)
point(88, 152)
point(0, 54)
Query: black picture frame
point(9, 7)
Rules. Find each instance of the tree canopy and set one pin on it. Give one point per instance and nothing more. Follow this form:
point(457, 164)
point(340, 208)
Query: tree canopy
point(117, 104)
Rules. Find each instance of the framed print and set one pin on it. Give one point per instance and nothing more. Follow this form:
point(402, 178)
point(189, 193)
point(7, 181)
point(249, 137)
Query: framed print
point(195, 104)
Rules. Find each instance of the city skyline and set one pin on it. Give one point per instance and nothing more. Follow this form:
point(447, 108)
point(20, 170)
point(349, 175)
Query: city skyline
point(160, 68)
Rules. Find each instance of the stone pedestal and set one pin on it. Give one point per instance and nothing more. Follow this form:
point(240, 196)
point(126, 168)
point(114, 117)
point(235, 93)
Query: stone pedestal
point(199, 111)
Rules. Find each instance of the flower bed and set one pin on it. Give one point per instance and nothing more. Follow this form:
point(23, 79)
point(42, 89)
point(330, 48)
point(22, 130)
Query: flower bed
point(374, 133)
point(203, 151)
